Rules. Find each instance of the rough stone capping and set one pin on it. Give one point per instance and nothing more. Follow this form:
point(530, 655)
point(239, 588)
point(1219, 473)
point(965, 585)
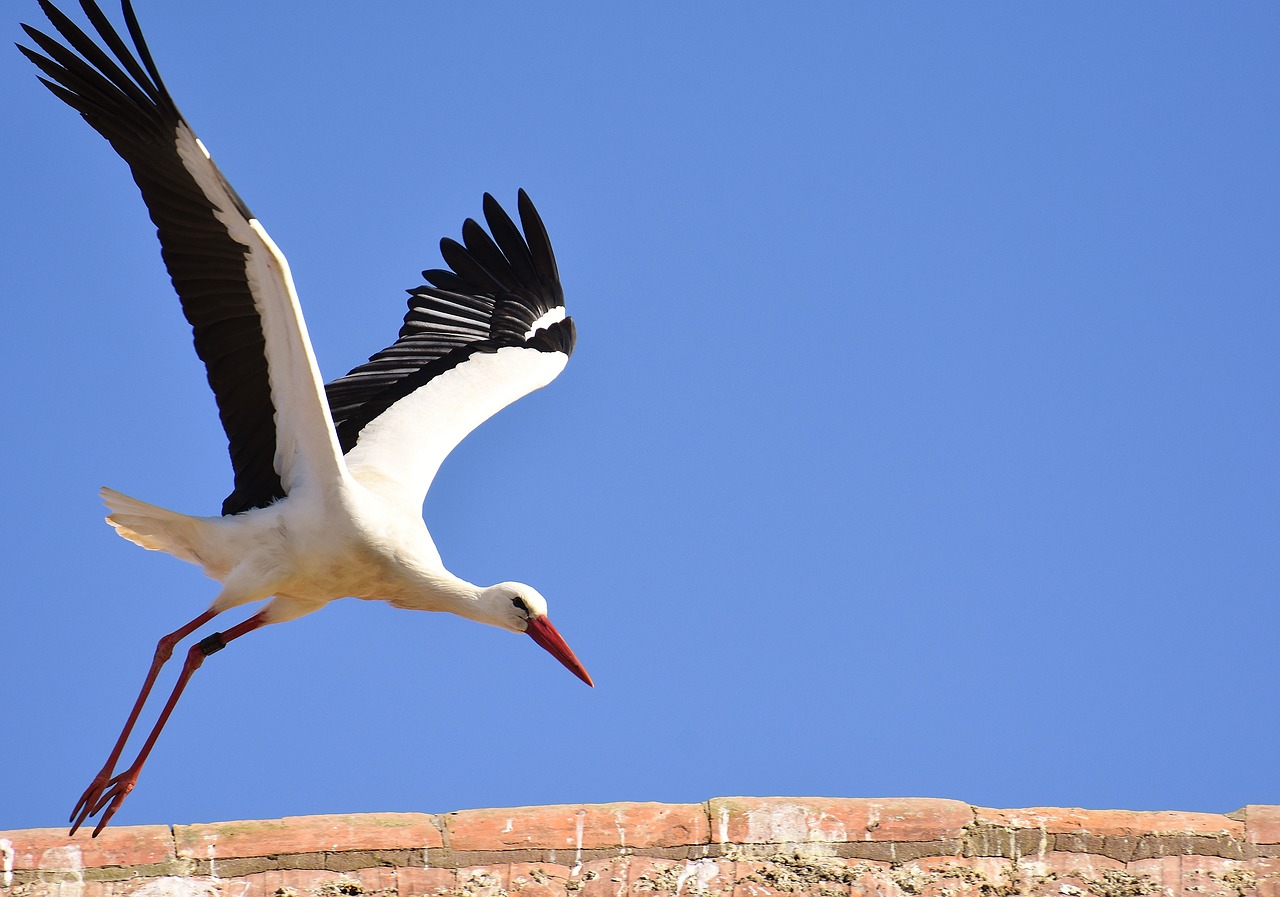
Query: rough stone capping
point(726, 847)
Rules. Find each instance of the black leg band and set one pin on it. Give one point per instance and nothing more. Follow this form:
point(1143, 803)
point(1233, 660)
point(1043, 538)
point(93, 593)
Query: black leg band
point(212, 644)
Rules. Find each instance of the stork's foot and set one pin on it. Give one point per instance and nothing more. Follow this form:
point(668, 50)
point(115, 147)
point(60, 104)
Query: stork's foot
point(84, 806)
point(103, 791)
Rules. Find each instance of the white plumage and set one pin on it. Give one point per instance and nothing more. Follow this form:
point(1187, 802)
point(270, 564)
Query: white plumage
point(329, 480)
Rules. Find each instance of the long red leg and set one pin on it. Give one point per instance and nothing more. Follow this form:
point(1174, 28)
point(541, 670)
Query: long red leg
point(118, 787)
point(164, 650)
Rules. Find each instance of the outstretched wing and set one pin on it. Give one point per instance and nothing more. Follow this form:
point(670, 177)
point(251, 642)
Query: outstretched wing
point(233, 282)
point(476, 338)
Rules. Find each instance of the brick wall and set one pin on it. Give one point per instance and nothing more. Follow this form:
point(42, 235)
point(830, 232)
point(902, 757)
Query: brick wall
point(728, 847)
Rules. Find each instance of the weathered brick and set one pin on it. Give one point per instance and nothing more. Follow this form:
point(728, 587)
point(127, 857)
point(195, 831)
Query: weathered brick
point(50, 849)
point(162, 884)
point(1109, 823)
point(780, 820)
point(602, 878)
point(1120, 834)
point(1262, 824)
point(537, 879)
point(754, 880)
point(1216, 875)
point(267, 884)
point(651, 876)
point(82, 889)
point(873, 879)
point(380, 879)
point(1266, 867)
point(753, 847)
point(1045, 874)
point(570, 826)
point(1164, 871)
point(484, 881)
point(1267, 873)
point(707, 876)
point(962, 876)
point(801, 872)
point(308, 834)
point(421, 882)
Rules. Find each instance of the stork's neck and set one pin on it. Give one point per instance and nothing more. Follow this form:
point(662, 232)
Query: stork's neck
point(439, 590)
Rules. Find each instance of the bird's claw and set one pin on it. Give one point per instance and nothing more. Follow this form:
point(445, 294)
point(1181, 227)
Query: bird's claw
point(84, 806)
point(103, 791)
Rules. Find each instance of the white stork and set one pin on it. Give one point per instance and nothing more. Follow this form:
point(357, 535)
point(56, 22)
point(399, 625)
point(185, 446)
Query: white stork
point(329, 479)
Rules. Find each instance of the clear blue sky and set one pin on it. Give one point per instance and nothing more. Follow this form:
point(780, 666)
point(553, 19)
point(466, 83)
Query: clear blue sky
point(921, 439)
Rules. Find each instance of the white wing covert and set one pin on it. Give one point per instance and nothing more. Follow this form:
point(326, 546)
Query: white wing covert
point(475, 339)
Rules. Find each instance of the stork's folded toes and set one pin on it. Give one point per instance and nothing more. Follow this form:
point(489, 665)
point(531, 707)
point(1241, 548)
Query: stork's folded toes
point(104, 792)
point(89, 801)
point(117, 790)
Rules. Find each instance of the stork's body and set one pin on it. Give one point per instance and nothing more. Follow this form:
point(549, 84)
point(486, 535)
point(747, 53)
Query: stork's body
point(305, 551)
point(329, 480)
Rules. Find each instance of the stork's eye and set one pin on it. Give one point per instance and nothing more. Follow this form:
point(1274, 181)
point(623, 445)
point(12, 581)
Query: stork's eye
point(519, 604)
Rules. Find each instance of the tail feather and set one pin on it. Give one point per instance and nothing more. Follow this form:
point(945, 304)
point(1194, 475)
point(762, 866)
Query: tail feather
point(152, 527)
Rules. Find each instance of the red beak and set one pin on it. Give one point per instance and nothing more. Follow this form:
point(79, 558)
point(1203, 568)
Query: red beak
point(546, 635)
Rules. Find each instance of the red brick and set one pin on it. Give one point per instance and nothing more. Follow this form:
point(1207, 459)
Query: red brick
point(707, 876)
point(1166, 872)
point(763, 877)
point(375, 878)
point(52, 850)
point(1266, 867)
point(1038, 879)
point(1079, 870)
point(1267, 870)
point(306, 882)
point(960, 876)
point(1055, 820)
point(537, 879)
point(76, 888)
point(415, 882)
point(770, 824)
point(1215, 875)
point(484, 881)
point(750, 879)
point(1262, 822)
point(652, 877)
point(603, 877)
point(783, 820)
point(622, 825)
point(267, 884)
point(875, 881)
point(307, 834)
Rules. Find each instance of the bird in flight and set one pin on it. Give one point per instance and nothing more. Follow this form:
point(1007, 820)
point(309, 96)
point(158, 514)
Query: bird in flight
point(329, 478)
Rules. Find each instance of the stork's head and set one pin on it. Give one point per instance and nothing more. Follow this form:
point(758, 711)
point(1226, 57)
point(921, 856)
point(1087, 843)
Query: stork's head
point(520, 608)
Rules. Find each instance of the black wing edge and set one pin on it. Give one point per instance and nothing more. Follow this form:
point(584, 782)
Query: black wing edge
point(499, 284)
point(121, 95)
point(95, 85)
